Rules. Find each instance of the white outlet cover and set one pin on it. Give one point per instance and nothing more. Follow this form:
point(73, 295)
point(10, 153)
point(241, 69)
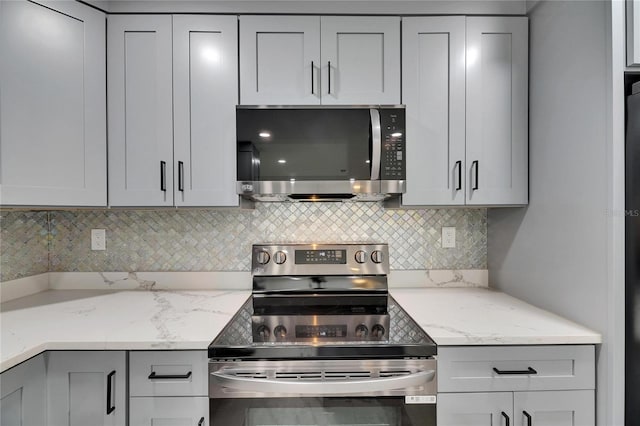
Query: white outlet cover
point(98, 239)
point(448, 237)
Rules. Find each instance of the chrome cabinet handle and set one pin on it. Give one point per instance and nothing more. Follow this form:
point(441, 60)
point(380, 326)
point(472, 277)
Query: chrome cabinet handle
point(226, 378)
point(376, 146)
point(329, 77)
point(180, 176)
point(506, 418)
point(459, 166)
point(528, 416)
point(111, 406)
point(154, 376)
point(163, 176)
point(529, 370)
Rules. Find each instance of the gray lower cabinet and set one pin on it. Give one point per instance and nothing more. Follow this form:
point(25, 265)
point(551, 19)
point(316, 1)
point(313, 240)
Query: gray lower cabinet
point(539, 408)
point(86, 388)
point(23, 399)
point(177, 411)
point(516, 386)
point(168, 388)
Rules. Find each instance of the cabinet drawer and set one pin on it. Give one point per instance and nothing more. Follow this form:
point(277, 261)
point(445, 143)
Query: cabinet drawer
point(169, 411)
point(168, 373)
point(512, 368)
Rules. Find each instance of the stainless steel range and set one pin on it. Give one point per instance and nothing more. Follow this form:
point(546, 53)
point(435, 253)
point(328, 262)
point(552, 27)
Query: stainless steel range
point(321, 342)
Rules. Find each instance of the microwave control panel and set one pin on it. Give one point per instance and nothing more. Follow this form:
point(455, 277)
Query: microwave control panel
point(393, 158)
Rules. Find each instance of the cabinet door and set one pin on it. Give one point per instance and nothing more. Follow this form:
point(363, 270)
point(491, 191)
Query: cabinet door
point(279, 60)
point(554, 408)
point(205, 87)
point(52, 104)
point(433, 76)
point(23, 394)
point(140, 111)
point(169, 411)
point(497, 97)
point(360, 60)
point(475, 409)
point(86, 388)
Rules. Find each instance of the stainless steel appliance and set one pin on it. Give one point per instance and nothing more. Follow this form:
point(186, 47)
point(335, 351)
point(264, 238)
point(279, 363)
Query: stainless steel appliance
point(321, 342)
point(632, 247)
point(312, 153)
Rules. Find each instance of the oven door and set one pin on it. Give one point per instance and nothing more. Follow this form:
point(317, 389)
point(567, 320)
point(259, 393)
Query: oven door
point(323, 392)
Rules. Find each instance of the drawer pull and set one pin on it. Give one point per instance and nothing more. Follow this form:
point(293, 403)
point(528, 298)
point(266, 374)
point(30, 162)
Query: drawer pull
point(529, 370)
point(528, 416)
point(201, 422)
point(154, 376)
point(506, 418)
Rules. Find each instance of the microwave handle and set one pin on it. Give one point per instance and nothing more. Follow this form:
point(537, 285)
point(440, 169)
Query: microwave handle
point(376, 149)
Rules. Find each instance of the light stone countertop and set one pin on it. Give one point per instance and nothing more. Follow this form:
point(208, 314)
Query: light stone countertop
point(481, 316)
point(139, 319)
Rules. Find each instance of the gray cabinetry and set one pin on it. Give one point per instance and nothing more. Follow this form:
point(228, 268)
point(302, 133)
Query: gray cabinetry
point(521, 385)
point(465, 85)
point(86, 388)
point(168, 387)
point(52, 104)
point(311, 60)
point(172, 96)
point(23, 398)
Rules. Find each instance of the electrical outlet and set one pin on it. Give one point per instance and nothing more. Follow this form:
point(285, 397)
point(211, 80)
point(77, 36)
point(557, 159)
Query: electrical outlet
point(98, 239)
point(448, 237)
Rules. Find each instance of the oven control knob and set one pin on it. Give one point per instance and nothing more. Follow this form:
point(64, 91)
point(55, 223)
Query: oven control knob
point(263, 332)
point(362, 331)
point(280, 332)
point(280, 257)
point(361, 256)
point(263, 257)
point(377, 331)
point(377, 256)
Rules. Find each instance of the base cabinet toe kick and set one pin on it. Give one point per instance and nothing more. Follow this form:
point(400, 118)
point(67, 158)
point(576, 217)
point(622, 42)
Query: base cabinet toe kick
point(516, 385)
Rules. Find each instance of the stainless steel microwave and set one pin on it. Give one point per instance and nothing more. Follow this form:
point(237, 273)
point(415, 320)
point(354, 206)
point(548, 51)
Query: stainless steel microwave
point(320, 153)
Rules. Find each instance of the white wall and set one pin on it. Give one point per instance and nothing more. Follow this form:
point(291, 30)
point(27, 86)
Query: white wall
point(556, 252)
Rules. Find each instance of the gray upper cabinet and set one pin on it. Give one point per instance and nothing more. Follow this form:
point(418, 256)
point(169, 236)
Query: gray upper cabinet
point(310, 60)
point(172, 96)
point(52, 104)
point(465, 86)
point(433, 77)
point(140, 110)
point(497, 111)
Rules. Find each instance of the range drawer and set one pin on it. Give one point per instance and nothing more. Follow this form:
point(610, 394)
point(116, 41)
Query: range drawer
point(515, 368)
point(168, 373)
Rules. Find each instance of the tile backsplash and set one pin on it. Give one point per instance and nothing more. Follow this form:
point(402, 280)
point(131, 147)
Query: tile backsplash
point(220, 240)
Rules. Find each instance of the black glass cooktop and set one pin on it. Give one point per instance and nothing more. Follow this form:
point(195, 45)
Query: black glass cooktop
point(406, 339)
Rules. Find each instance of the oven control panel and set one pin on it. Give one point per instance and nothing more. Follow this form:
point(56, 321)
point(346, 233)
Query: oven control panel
point(332, 328)
point(320, 259)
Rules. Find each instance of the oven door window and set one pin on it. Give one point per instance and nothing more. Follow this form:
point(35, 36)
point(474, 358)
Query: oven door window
point(370, 411)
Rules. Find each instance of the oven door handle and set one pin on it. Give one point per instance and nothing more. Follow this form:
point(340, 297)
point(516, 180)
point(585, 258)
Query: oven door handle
point(227, 378)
